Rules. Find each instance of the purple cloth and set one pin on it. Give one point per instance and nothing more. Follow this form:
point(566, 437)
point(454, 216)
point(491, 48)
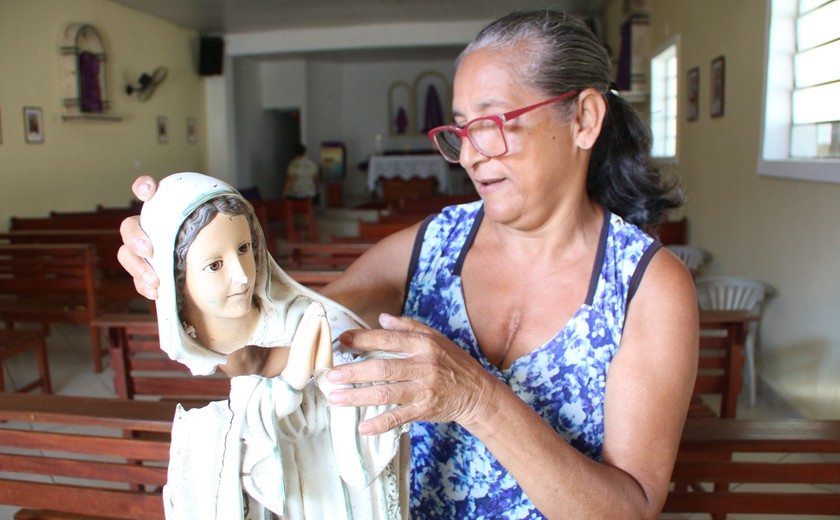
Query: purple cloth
point(625, 57)
point(91, 96)
point(402, 121)
point(434, 110)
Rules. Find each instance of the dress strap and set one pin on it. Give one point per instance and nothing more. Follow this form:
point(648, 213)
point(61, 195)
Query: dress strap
point(415, 254)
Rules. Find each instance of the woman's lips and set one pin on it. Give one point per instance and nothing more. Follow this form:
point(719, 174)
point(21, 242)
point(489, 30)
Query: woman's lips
point(488, 185)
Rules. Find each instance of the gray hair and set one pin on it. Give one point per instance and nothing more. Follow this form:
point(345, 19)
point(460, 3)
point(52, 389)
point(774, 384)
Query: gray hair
point(555, 53)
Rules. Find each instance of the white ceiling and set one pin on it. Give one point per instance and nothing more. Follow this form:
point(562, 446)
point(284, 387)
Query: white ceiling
point(244, 16)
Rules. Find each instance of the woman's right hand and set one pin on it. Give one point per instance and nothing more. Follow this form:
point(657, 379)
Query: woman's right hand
point(136, 244)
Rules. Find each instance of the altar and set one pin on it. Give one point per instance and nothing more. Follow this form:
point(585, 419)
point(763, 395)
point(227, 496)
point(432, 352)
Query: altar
point(408, 166)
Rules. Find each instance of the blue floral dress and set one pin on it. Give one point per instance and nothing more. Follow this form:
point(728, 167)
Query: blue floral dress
point(453, 474)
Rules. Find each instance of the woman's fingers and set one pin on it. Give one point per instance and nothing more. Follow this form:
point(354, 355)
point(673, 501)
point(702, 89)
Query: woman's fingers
point(144, 187)
point(432, 379)
point(137, 246)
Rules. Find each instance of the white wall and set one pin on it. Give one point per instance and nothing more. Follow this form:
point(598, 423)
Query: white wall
point(339, 101)
point(781, 231)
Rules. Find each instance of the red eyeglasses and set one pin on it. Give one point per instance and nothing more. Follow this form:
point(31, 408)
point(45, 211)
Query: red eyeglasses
point(486, 133)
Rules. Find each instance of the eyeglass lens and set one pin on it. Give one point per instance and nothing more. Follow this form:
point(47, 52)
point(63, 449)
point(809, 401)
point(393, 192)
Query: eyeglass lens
point(485, 134)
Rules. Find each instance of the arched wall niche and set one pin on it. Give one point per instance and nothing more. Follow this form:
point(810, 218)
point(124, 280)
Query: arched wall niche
point(401, 115)
point(84, 74)
point(413, 109)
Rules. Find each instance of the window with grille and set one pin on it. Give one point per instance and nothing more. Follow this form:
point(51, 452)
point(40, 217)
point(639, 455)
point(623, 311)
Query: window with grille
point(801, 130)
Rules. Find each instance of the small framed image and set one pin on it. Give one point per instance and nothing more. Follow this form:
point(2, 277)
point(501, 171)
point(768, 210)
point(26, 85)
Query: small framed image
point(718, 86)
point(692, 97)
point(33, 124)
point(163, 129)
point(192, 130)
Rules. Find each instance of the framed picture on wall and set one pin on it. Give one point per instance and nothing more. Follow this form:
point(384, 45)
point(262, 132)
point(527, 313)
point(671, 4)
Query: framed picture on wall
point(192, 130)
point(692, 98)
point(718, 86)
point(163, 129)
point(33, 124)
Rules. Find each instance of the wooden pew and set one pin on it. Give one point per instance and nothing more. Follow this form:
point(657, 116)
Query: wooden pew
point(705, 456)
point(313, 279)
point(720, 365)
point(142, 369)
point(397, 190)
point(50, 283)
point(313, 255)
point(371, 232)
point(114, 286)
point(277, 218)
point(76, 220)
point(16, 342)
point(77, 457)
point(432, 204)
point(671, 232)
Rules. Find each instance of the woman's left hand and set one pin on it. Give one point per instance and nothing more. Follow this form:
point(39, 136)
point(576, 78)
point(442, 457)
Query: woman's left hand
point(431, 380)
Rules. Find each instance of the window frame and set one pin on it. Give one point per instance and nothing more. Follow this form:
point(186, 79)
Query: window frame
point(775, 140)
point(674, 42)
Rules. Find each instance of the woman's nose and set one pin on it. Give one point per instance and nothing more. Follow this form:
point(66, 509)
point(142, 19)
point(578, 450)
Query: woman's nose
point(469, 154)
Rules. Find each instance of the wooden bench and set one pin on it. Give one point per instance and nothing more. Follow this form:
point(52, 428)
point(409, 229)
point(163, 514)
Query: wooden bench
point(706, 456)
point(76, 220)
point(278, 216)
point(50, 283)
point(671, 232)
point(432, 204)
point(16, 342)
point(81, 458)
point(720, 364)
point(142, 369)
point(397, 190)
point(314, 279)
point(114, 286)
point(371, 232)
point(303, 255)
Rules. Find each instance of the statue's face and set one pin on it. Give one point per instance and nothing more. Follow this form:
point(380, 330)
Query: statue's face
point(221, 270)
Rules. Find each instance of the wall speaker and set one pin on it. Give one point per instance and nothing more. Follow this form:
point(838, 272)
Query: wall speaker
point(211, 54)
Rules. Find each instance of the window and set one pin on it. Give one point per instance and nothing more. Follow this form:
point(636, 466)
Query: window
point(801, 128)
point(663, 101)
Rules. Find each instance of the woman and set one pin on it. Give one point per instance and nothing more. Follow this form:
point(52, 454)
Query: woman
point(275, 446)
point(549, 344)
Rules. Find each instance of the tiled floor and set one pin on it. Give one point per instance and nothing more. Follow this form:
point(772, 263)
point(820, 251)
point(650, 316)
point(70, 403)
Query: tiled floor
point(72, 374)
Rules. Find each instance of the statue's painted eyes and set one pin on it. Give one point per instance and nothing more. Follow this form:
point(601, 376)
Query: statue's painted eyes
point(244, 248)
point(214, 267)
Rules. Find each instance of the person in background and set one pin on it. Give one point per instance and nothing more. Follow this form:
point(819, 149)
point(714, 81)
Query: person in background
point(548, 345)
point(302, 176)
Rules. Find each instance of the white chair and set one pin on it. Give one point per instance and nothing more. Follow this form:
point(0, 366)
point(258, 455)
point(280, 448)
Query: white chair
point(737, 293)
point(695, 258)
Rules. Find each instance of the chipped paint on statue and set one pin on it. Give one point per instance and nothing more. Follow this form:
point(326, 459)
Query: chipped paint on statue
point(276, 448)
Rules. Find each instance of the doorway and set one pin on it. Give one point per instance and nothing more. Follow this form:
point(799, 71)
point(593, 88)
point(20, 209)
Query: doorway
point(285, 129)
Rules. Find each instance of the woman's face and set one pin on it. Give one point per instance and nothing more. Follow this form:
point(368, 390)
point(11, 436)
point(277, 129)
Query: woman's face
point(523, 186)
point(221, 269)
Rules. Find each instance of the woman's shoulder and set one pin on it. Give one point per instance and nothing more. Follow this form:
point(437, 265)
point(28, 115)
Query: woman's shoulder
point(628, 240)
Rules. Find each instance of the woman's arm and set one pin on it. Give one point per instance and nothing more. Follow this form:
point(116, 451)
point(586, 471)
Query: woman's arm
point(375, 282)
point(648, 390)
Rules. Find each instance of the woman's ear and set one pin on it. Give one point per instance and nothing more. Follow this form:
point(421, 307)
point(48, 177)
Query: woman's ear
point(589, 118)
